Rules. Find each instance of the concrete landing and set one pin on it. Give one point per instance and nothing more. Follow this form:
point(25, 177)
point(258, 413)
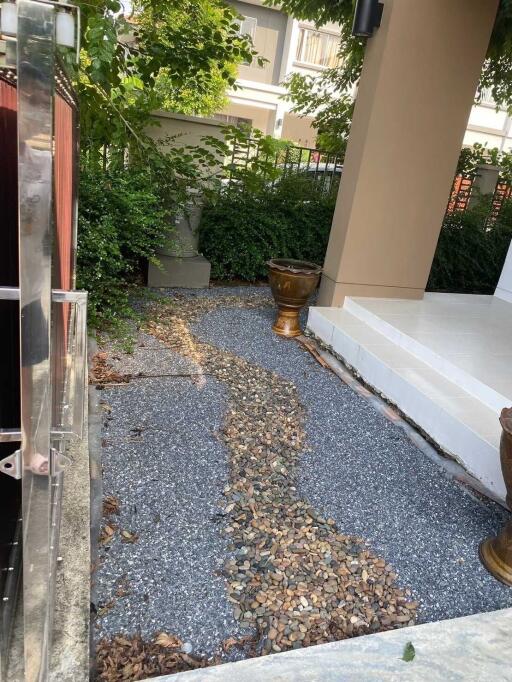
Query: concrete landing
point(444, 361)
point(475, 648)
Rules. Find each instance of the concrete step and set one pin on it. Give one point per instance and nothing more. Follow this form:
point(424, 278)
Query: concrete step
point(461, 424)
point(472, 384)
point(475, 648)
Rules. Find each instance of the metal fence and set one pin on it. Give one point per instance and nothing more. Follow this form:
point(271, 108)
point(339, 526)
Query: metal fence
point(463, 189)
point(273, 162)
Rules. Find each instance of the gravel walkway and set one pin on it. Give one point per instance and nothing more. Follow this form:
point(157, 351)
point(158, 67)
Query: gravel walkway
point(164, 460)
point(364, 472)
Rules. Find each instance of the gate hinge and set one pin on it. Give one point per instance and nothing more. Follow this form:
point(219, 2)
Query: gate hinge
point(12, 465)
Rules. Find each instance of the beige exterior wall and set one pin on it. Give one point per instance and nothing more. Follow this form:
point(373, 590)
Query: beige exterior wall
point(299, 130)
point(269, 42)
point(260, 118)
point(407, 132)
point(189, 129)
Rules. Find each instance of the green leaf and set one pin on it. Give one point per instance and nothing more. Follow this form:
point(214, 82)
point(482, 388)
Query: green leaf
point(409, 652)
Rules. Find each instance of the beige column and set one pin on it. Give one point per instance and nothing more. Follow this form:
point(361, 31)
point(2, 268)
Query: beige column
point(419, 78)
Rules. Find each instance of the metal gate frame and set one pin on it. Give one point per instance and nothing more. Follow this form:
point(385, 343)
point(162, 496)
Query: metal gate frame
point(52, 388)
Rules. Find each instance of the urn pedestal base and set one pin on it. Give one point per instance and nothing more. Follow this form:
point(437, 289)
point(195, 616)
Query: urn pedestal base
point(292, 283)
point(496, 553)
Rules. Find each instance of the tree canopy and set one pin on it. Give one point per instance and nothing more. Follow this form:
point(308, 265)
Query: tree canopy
point(180, 55)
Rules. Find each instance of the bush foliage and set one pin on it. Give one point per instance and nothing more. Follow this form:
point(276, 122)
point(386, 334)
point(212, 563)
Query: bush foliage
point(242, 230)
point(471, 250)
point(121, 222)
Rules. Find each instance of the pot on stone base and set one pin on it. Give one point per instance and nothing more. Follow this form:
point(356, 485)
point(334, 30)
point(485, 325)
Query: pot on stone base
point(292, 282)
point(496, 553)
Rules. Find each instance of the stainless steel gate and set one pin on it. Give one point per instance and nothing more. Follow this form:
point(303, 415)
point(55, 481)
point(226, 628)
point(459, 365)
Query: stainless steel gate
point(52, 313)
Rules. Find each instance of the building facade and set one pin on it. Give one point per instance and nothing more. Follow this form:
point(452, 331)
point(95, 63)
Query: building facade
point(289, 46)
point(293, 46)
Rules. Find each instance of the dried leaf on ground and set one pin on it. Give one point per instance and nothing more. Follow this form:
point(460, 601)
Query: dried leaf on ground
point(111, 505)
point(123, 589)
point(105, 608)
point(107, 533)
point(168, 641)
point(129, 536)
point(124, 659)
point(102, 372)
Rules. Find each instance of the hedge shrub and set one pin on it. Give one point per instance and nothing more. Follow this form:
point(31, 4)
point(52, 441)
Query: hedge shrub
point(121, 223)
point(471, 250)
point(241, 230)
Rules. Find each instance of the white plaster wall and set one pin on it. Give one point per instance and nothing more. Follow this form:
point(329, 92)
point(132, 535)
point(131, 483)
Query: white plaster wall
point(504, 288)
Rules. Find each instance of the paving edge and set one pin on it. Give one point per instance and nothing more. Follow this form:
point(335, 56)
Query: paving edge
point(349, 375)
point(96, 497)
point(477, 647)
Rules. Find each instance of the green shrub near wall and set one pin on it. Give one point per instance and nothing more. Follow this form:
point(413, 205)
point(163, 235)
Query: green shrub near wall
point(471, 250)
point(243, 229)
point(121, 224)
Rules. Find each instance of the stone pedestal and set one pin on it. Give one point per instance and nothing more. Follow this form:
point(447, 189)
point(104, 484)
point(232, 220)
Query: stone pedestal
point(181, 264)
point(485, 182)
point(189, 273)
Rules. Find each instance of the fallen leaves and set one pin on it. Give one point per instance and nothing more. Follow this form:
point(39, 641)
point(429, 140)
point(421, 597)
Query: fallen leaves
point(111, 505)
point(126, 659)
point(168, 641)
point(107, 533)
point(102, 372)
point(129, 537)
point(241, 643)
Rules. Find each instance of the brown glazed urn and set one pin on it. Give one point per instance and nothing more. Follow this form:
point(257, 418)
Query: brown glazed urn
point(292, 282)
point(496, 553)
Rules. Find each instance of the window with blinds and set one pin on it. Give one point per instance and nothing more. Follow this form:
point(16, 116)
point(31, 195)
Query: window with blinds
point(318, 48)
point(248, 27)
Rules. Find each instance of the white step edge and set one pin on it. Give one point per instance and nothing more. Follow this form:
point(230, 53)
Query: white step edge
point(420, 392)
point(470, 648)
point(492, 398)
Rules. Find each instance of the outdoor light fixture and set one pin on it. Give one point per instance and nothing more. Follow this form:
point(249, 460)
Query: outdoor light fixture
point(65, 28)
point(367, 17)
point(67, 22)
point(8, 18)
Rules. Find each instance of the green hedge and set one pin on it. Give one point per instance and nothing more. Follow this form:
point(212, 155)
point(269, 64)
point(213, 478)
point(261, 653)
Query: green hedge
point(242, 230)
point(121, 223)
point(471, 251)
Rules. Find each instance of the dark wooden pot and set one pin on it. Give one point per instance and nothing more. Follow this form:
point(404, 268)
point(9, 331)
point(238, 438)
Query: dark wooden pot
point(496, 553)
point(292, 283)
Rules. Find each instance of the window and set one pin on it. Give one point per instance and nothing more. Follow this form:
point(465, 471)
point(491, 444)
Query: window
point(233, 120)
point(317, 47)
point(247, 27)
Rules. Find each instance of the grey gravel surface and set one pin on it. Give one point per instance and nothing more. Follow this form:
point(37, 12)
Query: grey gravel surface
point(162, 459)
point(364, 472)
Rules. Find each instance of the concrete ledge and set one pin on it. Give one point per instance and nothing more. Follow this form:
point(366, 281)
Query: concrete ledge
point(460, 424)
point(188, 273)
point(472, 648)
